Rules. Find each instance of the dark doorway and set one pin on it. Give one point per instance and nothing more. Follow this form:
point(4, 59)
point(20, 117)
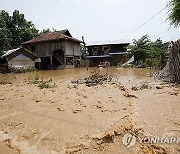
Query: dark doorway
point(45, 63)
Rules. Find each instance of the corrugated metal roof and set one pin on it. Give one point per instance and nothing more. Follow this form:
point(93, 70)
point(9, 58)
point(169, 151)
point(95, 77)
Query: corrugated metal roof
point(9, 52)
point(108, 42)
point(118, 53)
point(57, 35)
point(100, 56)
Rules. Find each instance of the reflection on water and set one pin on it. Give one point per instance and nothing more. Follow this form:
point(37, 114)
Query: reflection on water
point(76, 73)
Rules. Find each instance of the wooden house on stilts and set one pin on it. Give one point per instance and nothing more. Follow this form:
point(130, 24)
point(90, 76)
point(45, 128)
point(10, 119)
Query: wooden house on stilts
point(54, 50)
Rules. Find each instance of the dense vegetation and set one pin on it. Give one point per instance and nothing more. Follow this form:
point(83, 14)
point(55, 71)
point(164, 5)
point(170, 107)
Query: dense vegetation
point(148, 53)
point(174, 12)
point(15, 30)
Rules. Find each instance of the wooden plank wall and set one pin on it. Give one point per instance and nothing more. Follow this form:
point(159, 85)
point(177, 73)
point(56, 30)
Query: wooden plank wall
point(175, 60)
point(45, 49)
point(72, 49)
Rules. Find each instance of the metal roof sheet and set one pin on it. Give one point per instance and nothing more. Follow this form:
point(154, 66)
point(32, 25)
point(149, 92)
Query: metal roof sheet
point(118, 53)
point(108, 42)
point(100, 56)
point(9, 52)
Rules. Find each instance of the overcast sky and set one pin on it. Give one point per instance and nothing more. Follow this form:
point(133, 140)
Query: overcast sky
point(98, 20)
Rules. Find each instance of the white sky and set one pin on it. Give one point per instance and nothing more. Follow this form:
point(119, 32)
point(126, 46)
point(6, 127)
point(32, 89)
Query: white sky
point(98, 20)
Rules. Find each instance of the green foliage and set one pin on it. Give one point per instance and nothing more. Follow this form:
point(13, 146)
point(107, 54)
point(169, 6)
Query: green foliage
point(144, 86)
point(83, 51)
point(23, 70)
point(148, 53)
point(174, 12)
point(45, 31)
point(46, 84)
point(14, 30)
point(119, 64)
point(26, 70)
point(4, 32)
point(75, 86)
point(140, 48)
point(36, 77)
point(42, 83)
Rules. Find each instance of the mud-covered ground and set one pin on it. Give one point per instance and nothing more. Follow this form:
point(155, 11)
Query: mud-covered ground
point(74, 118)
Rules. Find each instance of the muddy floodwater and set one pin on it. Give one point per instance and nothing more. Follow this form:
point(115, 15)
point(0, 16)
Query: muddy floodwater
point(61, 116)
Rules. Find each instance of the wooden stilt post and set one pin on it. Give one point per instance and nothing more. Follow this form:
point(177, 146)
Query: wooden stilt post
point(51, 62)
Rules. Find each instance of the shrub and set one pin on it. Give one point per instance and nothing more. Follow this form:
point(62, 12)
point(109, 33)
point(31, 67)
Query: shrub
point(46, 84)
point(41, 83)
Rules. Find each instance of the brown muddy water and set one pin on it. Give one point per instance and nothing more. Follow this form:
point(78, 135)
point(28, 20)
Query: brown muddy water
point(70, 118)
point(79, 73)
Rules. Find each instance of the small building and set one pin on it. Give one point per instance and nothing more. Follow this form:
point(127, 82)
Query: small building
point(55, 50)
point(113, 52)
point(18, 58)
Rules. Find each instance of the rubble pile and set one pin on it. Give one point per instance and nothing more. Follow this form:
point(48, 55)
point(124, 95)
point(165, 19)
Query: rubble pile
point(94, 80)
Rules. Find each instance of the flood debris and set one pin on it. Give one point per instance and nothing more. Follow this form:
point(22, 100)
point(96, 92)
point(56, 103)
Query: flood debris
point(46, 84)
point(76, 110)
point(159, 87)
point(60, 109)
point(174, 92)
point(75, 86)
point(119, 85)
point(94, 80)
point(8, 142)
point(142, 86)
point(4, 81)
point(127, 94)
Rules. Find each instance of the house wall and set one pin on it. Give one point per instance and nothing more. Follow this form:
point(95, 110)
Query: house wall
point(69, 48)
point(72, 48)
point(118, 48)
point(106, 49)
point(54, 54)
point(99, 50)
point(77, 51)
point(21, 62)
point(45, 49)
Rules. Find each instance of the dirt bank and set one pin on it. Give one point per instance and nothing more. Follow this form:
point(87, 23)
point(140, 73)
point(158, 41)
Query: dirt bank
point(75, 118)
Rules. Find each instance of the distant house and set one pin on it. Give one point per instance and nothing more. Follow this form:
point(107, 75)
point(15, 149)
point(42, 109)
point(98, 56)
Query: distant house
point(55, 50)
point(111, 51)
point(18, 58)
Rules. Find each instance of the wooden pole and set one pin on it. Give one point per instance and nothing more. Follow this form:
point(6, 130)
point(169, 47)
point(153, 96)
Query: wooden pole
point(51, 62)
